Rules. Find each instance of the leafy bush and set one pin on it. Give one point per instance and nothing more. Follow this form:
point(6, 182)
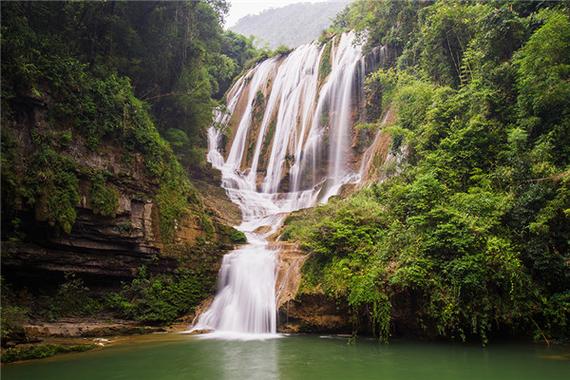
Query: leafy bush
point(104, 197)
point(72, 298)
point(160, 299)
point(238, 237)
point(12, 321)
point(52, 187)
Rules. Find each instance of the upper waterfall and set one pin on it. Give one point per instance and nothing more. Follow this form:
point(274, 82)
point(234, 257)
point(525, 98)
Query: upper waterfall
point(290, 119)
point(290, 122)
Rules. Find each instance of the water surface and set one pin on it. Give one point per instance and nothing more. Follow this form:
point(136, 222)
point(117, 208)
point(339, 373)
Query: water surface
point(174, 356)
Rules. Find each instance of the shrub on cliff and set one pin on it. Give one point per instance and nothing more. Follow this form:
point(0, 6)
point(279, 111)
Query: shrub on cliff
point(472, 236)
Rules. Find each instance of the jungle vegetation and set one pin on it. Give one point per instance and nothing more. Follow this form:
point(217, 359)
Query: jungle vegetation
point(145, 75)
point(141, 78)
point(468, 237)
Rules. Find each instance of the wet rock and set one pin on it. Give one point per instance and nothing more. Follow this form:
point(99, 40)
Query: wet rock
point(303, 312)
point(200, 332)
point(81, 328)
point(315, 314)
point(290, 262)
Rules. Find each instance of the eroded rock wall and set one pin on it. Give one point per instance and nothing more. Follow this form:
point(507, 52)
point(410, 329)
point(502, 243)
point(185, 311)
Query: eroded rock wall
point(105, 250)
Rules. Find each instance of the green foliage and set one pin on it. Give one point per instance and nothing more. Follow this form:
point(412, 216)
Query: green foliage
point(104, 198)
point(282, 50)
point(13, 316)
point(235, 236)
point(52, 187)
point(12, 320)
point(10, 186)
point(446, 29)
point(72, 299)
point(473, 234)
point(172, 202)
point(41, 351)
point(92, 100)
point(390, 22)
point(544, 69)
point(160, 299)
point(325, 66)
point(379, 91)
point(238, 237)
point(175, 53)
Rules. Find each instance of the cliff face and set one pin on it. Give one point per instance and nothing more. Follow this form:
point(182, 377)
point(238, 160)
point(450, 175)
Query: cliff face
point(103, 249)
point(300, 312)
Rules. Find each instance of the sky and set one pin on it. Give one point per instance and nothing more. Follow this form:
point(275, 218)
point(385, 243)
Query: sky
point(241, 8)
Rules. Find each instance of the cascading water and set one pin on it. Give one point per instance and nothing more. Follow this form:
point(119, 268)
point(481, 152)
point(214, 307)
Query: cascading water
point(291, 149)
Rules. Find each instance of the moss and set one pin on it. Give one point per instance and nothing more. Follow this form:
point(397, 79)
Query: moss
point(206, 223)
point(325, 66)
point(267, 142)
point(52, 188)
point(125, 228)
point(175, 193)
point(172, 207)
point(104, 197)
point(235, 236)
point(238, 237)
point(65, 138)
point(41, 351)
point(259, 98)
point(249, 152)
point(257, 117)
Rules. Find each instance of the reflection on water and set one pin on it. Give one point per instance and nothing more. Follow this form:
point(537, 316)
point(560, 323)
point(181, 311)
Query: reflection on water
point(249, 360)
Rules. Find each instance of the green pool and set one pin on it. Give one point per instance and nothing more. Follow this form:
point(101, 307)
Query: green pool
point(174, 356)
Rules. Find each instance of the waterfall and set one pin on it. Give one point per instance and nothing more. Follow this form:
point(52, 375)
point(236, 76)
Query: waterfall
point(290, 149)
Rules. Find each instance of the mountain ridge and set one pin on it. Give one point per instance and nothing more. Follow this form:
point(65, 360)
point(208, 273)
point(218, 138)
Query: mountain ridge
point(291, 25)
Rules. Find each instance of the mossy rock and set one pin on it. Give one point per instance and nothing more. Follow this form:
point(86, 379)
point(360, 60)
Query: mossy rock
point(41, 351)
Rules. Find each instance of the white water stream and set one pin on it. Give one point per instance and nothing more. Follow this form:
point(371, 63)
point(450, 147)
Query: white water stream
point(311, 138)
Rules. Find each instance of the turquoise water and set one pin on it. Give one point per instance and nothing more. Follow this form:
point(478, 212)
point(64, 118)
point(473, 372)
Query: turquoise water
point(173, 356)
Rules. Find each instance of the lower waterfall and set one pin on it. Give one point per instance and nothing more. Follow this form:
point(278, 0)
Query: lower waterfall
point(245, 304)
point(290, 119)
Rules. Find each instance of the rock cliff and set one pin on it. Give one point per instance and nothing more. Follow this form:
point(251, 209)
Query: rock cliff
point(102, 249)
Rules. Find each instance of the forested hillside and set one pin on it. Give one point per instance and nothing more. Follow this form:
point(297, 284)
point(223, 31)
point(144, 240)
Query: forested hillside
point(104, 114)
point(290, 26)
point(468, 235)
